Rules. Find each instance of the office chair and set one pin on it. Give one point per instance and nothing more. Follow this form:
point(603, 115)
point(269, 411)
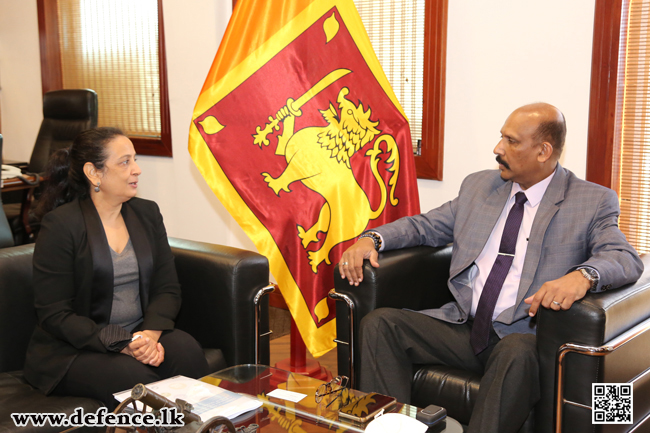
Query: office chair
point(65, 114)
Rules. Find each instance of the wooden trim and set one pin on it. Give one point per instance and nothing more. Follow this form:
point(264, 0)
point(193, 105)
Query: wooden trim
point(48, 31)
point(150, 146)
point(52, 77)
point(165, 146)
point(602, 103)
point(429, 163)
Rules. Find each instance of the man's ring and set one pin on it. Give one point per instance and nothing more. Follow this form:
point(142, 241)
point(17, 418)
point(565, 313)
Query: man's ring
point(344, 263)
point(557, 303)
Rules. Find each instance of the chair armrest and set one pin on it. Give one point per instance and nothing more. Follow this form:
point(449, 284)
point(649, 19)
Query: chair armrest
point(219, 285)
point(414, 278)
point(592, 321)
point(17, 313)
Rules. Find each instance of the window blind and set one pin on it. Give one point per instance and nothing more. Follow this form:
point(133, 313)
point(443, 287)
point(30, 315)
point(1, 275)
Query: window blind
point(396, 31)
point(632, 169)
point(112, 48)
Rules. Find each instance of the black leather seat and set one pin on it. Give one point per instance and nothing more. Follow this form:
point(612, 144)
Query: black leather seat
point(416, 278)
point(220, 286)
point(65, 114)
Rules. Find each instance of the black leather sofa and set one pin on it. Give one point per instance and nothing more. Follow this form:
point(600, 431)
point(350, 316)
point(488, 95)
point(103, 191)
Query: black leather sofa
point(220, 287)
point(609, 335)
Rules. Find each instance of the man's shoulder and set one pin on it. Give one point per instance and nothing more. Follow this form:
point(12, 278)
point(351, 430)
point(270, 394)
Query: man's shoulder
point(486, 180)
point(575, 185)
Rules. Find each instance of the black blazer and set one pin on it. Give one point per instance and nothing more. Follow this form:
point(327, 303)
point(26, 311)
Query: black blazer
point(73, 284)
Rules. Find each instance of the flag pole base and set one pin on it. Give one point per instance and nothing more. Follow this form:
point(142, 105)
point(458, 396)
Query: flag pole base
point(298, 362)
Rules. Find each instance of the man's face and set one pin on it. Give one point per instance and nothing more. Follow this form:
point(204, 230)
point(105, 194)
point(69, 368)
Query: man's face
point(518, 152)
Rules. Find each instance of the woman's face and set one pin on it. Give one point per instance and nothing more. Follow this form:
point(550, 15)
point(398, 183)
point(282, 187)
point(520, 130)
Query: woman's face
point(119, 177)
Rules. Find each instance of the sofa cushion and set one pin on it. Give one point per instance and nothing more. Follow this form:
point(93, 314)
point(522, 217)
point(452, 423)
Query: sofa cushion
point(16, 395)
point(216, 360)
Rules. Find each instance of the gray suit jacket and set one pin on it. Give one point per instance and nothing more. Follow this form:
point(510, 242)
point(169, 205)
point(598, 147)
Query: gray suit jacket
point(576, 224)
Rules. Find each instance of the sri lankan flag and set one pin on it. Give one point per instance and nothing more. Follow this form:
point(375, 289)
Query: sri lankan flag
point(299, 134)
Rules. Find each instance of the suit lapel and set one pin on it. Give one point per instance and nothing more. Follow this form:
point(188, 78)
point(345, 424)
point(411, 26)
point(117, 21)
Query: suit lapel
point(548, 207)
point(482, 222)
point(102, 292)
point(142, 250)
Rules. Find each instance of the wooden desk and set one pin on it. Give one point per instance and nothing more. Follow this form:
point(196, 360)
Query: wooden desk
point(16, 184)
point(20, 164)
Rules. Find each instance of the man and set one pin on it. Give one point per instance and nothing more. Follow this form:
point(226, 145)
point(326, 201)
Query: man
point(528, 235)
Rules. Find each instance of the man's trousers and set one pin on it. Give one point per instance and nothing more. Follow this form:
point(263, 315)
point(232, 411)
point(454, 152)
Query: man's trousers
point(393, 340)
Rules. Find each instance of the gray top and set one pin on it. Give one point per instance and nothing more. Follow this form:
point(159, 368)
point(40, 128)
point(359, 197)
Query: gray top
point(127, 310)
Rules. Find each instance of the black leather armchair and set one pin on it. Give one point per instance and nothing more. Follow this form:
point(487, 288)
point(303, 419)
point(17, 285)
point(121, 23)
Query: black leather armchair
point(223, 308)
point(602, 338)
point(65, 114)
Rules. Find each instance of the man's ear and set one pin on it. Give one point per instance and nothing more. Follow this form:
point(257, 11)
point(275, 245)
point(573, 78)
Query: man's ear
point(545, 151)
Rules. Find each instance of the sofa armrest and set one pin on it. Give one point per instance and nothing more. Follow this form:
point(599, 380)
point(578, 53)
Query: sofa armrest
point(592, 321)
point(414, 278)
point(17, 314)
point(219, 285)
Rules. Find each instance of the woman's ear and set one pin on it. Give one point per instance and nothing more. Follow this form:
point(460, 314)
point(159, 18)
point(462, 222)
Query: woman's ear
point(91, 173)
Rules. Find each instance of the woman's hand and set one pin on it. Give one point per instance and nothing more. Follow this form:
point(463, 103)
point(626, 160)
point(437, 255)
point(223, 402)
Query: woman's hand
point(146, 348)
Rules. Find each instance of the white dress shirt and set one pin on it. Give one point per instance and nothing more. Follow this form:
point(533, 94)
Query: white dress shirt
point(485, 261)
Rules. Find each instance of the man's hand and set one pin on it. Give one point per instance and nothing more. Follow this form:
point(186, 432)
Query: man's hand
point(351, 264)
point(559, 294)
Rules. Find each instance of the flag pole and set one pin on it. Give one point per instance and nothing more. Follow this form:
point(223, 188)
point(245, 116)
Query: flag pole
point(297, 361)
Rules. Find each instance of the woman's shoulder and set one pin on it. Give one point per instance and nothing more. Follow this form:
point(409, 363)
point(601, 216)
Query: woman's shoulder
point(146, 210)
point(64, 222)
point(68, 213)
point(144, 206)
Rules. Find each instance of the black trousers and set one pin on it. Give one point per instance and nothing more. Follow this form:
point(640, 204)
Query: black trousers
point(100, 375)
point(392, 341)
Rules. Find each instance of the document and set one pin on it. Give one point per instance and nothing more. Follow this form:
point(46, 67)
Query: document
point(287, 395)
point(396, 423)
point(208, 400)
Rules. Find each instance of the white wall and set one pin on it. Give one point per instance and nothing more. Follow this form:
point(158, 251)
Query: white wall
point(21, 94)
point(503, 54)
point(500, 55)
point(193, 30)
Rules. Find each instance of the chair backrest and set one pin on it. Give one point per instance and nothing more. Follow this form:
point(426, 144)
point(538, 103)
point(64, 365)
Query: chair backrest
point(65, 114)
point(6, 236)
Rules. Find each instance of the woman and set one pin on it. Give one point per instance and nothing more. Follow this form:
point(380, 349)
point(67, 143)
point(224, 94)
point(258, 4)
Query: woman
point(105, 284)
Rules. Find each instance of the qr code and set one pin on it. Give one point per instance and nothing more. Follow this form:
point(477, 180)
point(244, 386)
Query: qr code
point(612, 403)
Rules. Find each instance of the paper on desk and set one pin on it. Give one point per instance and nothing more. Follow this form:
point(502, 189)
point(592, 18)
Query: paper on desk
point(287, 395)
point(208, 400)
point(395, 423)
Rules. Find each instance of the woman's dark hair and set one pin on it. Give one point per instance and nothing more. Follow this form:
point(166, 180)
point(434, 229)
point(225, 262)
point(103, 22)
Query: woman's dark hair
point(66, 180)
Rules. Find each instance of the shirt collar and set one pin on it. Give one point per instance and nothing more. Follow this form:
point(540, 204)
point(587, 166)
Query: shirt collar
point(535, 193)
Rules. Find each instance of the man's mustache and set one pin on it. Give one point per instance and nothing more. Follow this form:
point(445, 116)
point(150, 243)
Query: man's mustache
point(502, 162)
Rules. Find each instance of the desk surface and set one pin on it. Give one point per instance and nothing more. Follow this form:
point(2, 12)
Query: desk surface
point(305, 416)
point(15, 184)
